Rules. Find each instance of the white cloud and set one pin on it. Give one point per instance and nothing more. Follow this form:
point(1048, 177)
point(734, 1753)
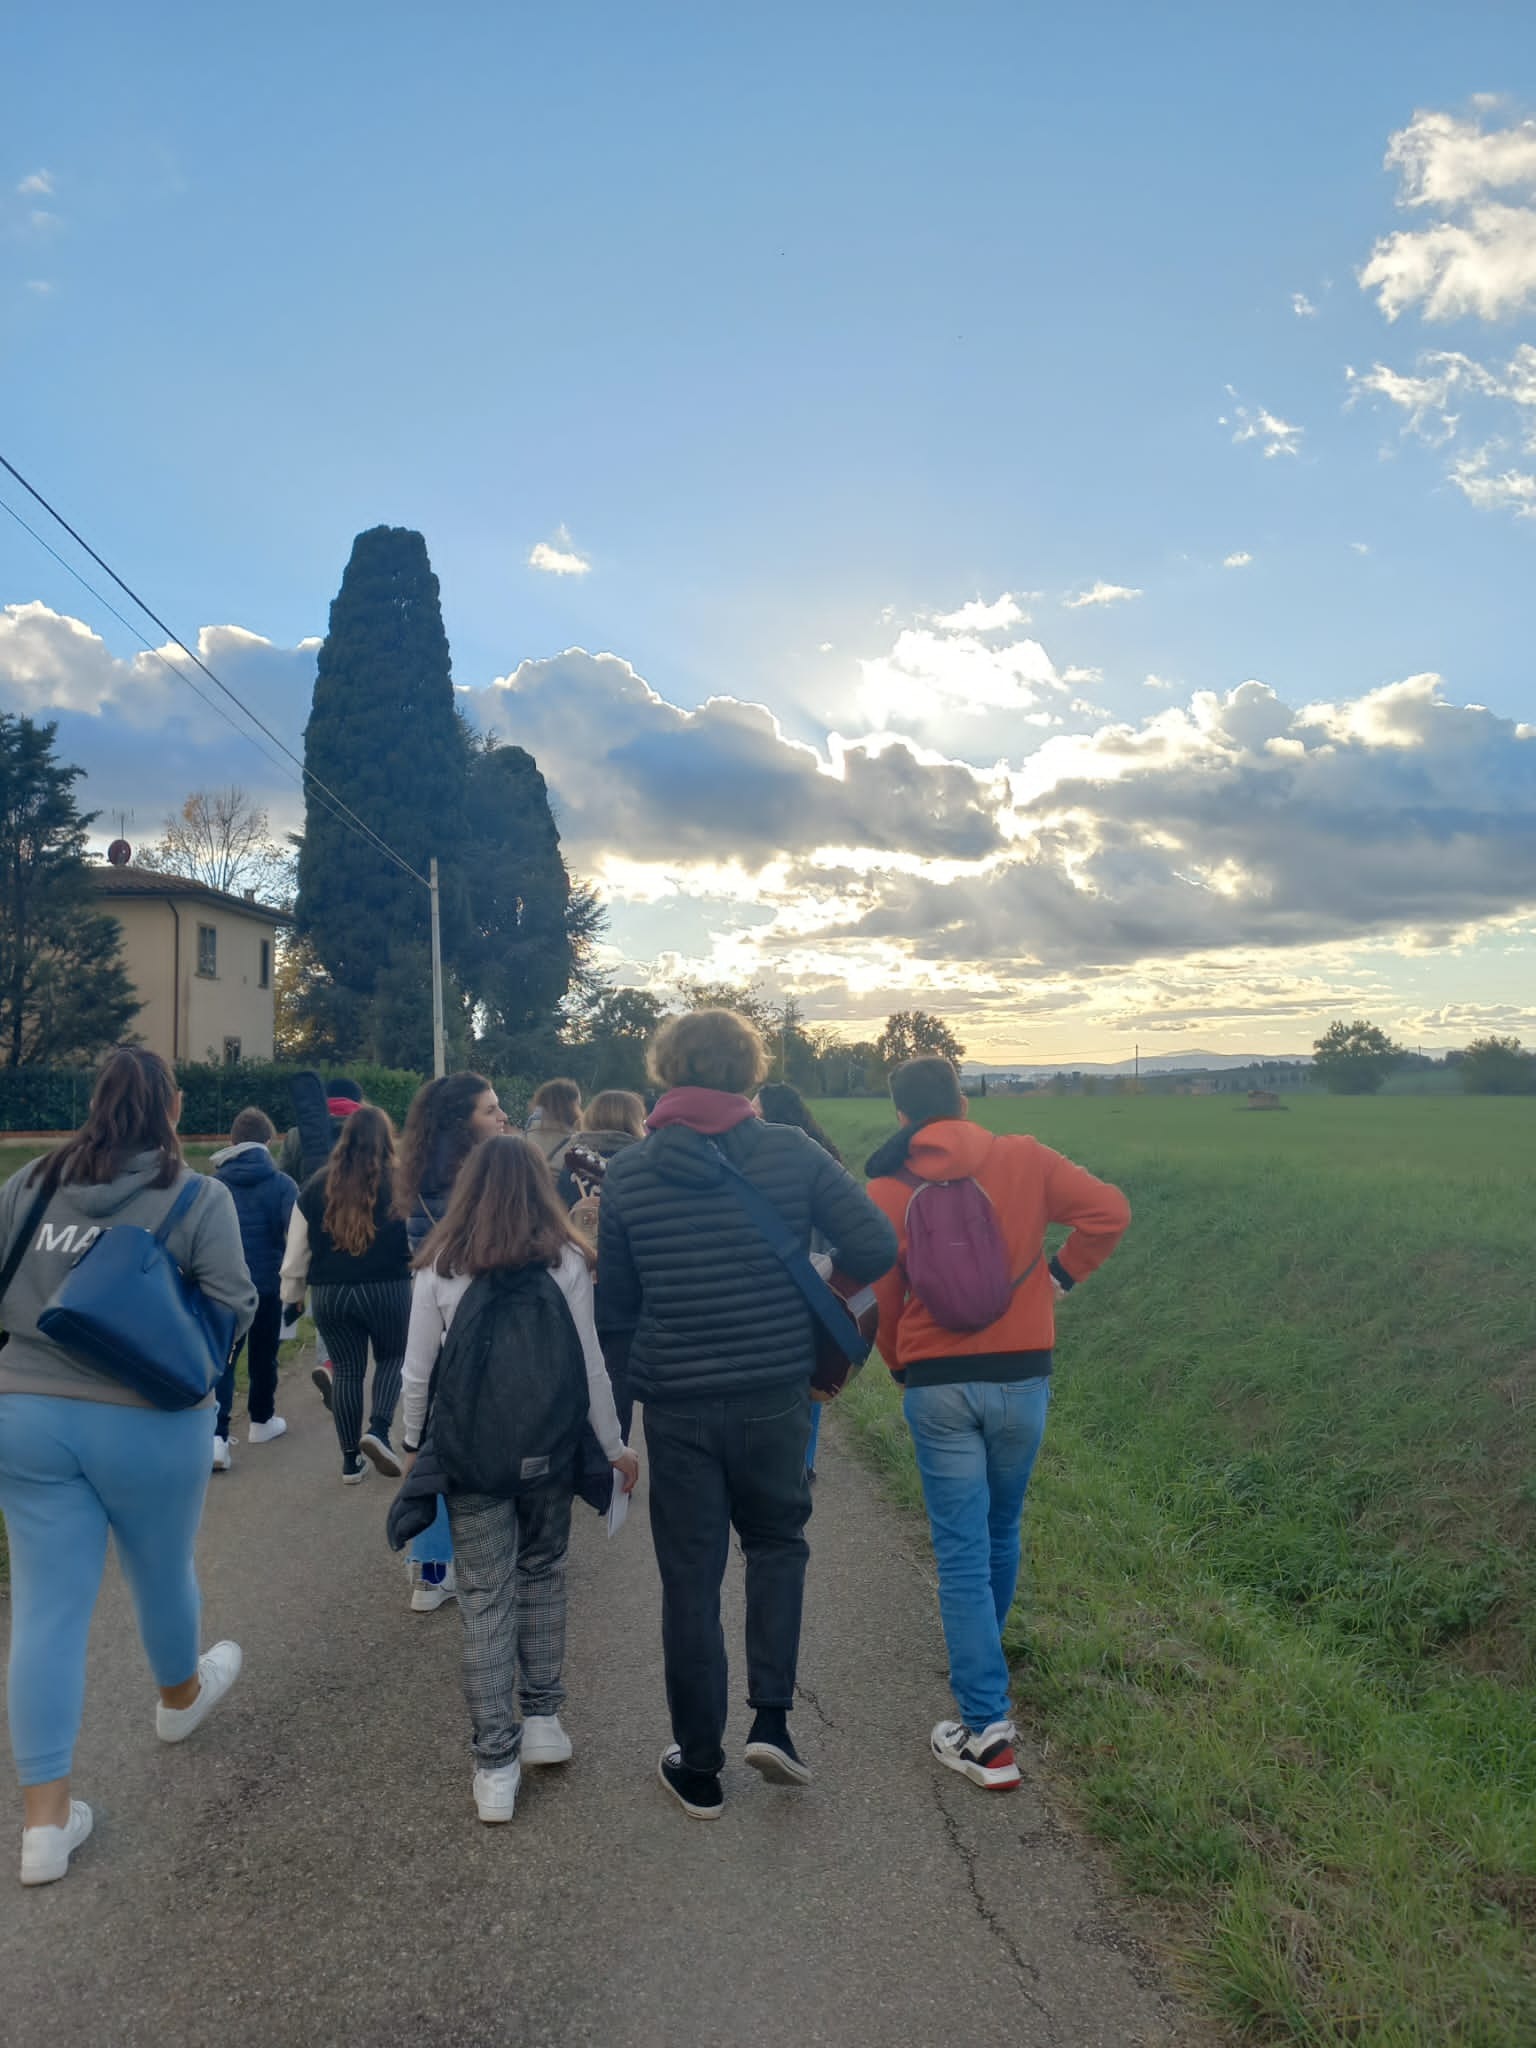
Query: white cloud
point(980, 617)
point(928, 673)
point(558, 557)
point(825, 647)
point(1302, 306)
point(44, 222)
point(1155, 682)
point(1240, 560)
point(1361, 547)
point(41, 286)
point(1479, 258)
point(1508, 490)
point(1258, 423)
point(1101, 593)
point(38, 184)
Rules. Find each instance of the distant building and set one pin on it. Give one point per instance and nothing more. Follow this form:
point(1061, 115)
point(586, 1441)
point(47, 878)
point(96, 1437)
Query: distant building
point(202, 963)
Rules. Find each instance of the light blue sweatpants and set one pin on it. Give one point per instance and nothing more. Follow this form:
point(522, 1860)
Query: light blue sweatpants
point(69, 1472)
point(435, 1543)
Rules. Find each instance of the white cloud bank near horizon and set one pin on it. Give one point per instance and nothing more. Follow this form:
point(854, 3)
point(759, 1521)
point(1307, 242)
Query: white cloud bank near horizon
point(1212, 865)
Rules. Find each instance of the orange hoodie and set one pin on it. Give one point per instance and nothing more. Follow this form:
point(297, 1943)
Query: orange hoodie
point(1031, 1187)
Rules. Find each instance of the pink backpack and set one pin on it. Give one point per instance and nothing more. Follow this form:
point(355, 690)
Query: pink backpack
point(957, 1263)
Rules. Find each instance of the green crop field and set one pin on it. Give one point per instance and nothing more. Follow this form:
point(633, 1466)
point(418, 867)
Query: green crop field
point(1278, 1622)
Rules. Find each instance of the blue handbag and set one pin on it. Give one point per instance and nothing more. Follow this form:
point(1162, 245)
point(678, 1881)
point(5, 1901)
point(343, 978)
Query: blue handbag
point(127, 1309)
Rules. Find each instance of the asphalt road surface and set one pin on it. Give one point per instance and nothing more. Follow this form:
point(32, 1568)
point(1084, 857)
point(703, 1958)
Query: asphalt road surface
point(309, 1868)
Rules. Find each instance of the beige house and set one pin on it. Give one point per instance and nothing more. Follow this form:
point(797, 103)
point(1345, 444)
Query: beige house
point(201, 962)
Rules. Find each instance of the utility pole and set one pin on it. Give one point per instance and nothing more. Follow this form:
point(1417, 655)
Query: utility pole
point(439, 1048)
point(1138, 1063)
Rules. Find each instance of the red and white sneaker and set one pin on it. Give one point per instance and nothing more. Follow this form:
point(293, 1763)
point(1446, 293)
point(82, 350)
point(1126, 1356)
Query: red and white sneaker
point(986, 1759)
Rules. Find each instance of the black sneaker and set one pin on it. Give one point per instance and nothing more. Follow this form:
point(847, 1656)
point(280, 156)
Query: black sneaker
point(381, 1453)
point(771, 1752)
point(698, 1793)
point(327, 1385)
point(353, 1470)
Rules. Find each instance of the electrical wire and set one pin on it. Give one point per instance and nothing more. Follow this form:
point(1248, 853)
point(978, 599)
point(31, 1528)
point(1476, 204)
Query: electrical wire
point(338, 808)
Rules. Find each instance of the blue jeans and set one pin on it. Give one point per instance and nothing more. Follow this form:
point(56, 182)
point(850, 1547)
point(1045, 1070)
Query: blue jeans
point(69, 1472)
point(976, 1444)
point(434, 1545)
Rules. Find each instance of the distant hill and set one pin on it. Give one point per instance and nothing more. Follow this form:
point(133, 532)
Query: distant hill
point(1152, 1063)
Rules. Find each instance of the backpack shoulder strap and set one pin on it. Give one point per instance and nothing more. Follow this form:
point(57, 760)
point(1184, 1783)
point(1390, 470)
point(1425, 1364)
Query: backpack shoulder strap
point(824, 1305)
point(23, 1238)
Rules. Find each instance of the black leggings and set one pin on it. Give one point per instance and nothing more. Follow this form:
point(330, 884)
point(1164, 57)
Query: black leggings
point(348, 1318)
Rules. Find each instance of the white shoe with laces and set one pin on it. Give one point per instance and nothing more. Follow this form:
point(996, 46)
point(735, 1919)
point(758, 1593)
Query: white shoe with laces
point(496, 1792)
point(545, 1741)
point(218, 1669)
point(221, 1457)
point(427, 1595)
point(986, 1759)
point(265, 1432)
point(45, 1852)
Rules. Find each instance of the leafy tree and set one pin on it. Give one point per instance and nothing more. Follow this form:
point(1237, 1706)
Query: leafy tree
point(609, 1051)
point(384, 735)
point(221, 837)
point(1498, 1066)
point(64, 992)
point(1354, 1059)
point(911, 1033)
point(529, 932)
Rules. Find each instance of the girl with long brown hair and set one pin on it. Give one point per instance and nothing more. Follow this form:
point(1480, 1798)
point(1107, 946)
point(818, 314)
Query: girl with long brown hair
point(509, 1555)
point(448, 1118)
point(82, 1454)
point(347, 1245)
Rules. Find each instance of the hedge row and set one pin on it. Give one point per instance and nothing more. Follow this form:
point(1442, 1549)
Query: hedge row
point(56, 1098)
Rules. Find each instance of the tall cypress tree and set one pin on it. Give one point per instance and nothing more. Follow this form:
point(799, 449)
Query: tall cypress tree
point(384, 734)
point(528, 931)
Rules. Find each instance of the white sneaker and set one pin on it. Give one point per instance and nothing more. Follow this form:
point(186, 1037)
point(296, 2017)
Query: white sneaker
point(426, 1597)
point(496, 1792)
point(221, 1457)
point(45, 1852)
point(264, 1432)
point(986, 1759)
point(218, 1669)
point(545, 1741)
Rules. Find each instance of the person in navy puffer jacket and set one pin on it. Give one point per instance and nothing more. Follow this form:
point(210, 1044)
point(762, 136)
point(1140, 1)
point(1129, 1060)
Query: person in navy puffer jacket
point(264, 1200)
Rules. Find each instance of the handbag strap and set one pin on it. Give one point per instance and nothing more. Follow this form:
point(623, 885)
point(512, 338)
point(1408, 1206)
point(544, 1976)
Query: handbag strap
point(18, 1249)
point(179, 1208)
point(824, 1305)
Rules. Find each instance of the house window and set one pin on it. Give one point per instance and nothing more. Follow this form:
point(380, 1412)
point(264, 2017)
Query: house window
point(231, 1052)
point(207, 951)
point(266, 964)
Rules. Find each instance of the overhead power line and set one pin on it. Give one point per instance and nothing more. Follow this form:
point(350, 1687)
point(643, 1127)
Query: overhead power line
point(307, 778)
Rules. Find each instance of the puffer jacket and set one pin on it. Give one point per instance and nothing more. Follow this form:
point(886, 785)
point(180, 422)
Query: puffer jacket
point(264, 1200)
point(712, 1310)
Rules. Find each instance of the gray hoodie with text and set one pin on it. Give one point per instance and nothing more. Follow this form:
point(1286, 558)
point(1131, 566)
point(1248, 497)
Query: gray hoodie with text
point(205, 1244)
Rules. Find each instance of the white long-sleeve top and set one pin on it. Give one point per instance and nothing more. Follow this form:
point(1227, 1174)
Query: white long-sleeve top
point(434, 1298)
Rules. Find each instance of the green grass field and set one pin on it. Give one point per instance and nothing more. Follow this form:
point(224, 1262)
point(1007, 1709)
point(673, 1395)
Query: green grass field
point(1278, 1622)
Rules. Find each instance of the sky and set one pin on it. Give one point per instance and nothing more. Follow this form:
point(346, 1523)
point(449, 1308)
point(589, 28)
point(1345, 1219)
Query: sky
point(1024, 511)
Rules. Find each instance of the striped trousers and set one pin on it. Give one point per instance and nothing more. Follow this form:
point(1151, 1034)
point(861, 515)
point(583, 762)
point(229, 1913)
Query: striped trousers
point(349, 1319)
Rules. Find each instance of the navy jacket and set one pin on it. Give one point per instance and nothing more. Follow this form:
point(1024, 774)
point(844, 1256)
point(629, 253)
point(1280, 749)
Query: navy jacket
point(712, 1309)
point(264, 1200)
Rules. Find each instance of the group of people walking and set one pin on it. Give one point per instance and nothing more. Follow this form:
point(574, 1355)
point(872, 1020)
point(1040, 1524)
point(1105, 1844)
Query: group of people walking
point(507, 1284)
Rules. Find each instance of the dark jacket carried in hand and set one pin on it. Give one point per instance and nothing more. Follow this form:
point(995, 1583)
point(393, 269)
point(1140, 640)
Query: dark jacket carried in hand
point(712, 1308)
point(264, 1200)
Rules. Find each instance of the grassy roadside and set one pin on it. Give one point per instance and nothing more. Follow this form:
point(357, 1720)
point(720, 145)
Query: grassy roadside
point(1278, 1617)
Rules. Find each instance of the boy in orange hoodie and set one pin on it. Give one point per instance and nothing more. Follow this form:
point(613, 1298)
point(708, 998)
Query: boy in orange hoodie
point(975, 1399)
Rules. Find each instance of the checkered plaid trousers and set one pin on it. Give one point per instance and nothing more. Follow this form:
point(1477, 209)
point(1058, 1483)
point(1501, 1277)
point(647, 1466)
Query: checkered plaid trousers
point(509, 1563)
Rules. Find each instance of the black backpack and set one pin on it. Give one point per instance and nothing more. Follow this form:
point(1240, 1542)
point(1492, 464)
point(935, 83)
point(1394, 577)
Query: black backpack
point(509, 1392)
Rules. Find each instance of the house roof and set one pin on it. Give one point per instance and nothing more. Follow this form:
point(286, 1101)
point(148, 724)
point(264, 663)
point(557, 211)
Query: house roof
point(110, 881)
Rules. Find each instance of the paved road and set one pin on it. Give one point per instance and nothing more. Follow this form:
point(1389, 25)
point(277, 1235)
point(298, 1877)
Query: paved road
point(309, 1868)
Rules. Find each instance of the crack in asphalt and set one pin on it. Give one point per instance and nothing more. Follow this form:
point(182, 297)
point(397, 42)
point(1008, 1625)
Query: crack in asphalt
point(1029, 1972)
point(812, 1700)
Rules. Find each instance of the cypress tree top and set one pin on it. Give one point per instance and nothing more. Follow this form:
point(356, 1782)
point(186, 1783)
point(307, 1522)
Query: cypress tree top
point(384, 734)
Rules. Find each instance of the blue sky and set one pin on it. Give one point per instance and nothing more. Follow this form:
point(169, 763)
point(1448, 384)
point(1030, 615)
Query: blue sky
point(803, 328)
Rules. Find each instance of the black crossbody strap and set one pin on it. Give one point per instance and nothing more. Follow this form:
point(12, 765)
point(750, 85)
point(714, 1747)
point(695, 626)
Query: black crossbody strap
point(18, 1250)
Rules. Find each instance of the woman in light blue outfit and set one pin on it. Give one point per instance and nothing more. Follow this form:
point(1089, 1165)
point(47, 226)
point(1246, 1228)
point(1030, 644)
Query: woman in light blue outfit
point(81, 1454)
point(446, 1121)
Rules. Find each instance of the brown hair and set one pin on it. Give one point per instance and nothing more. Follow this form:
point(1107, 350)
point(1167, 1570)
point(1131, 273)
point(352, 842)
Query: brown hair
point(252, 1127)
point(778, 1103)
point(437, 1138)
point(927, 1088)
point(504, 1212)
point(560, 1102)
point(133, 1110)
point(360, 1168)
point(616, 1109)
point(708, 1049)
